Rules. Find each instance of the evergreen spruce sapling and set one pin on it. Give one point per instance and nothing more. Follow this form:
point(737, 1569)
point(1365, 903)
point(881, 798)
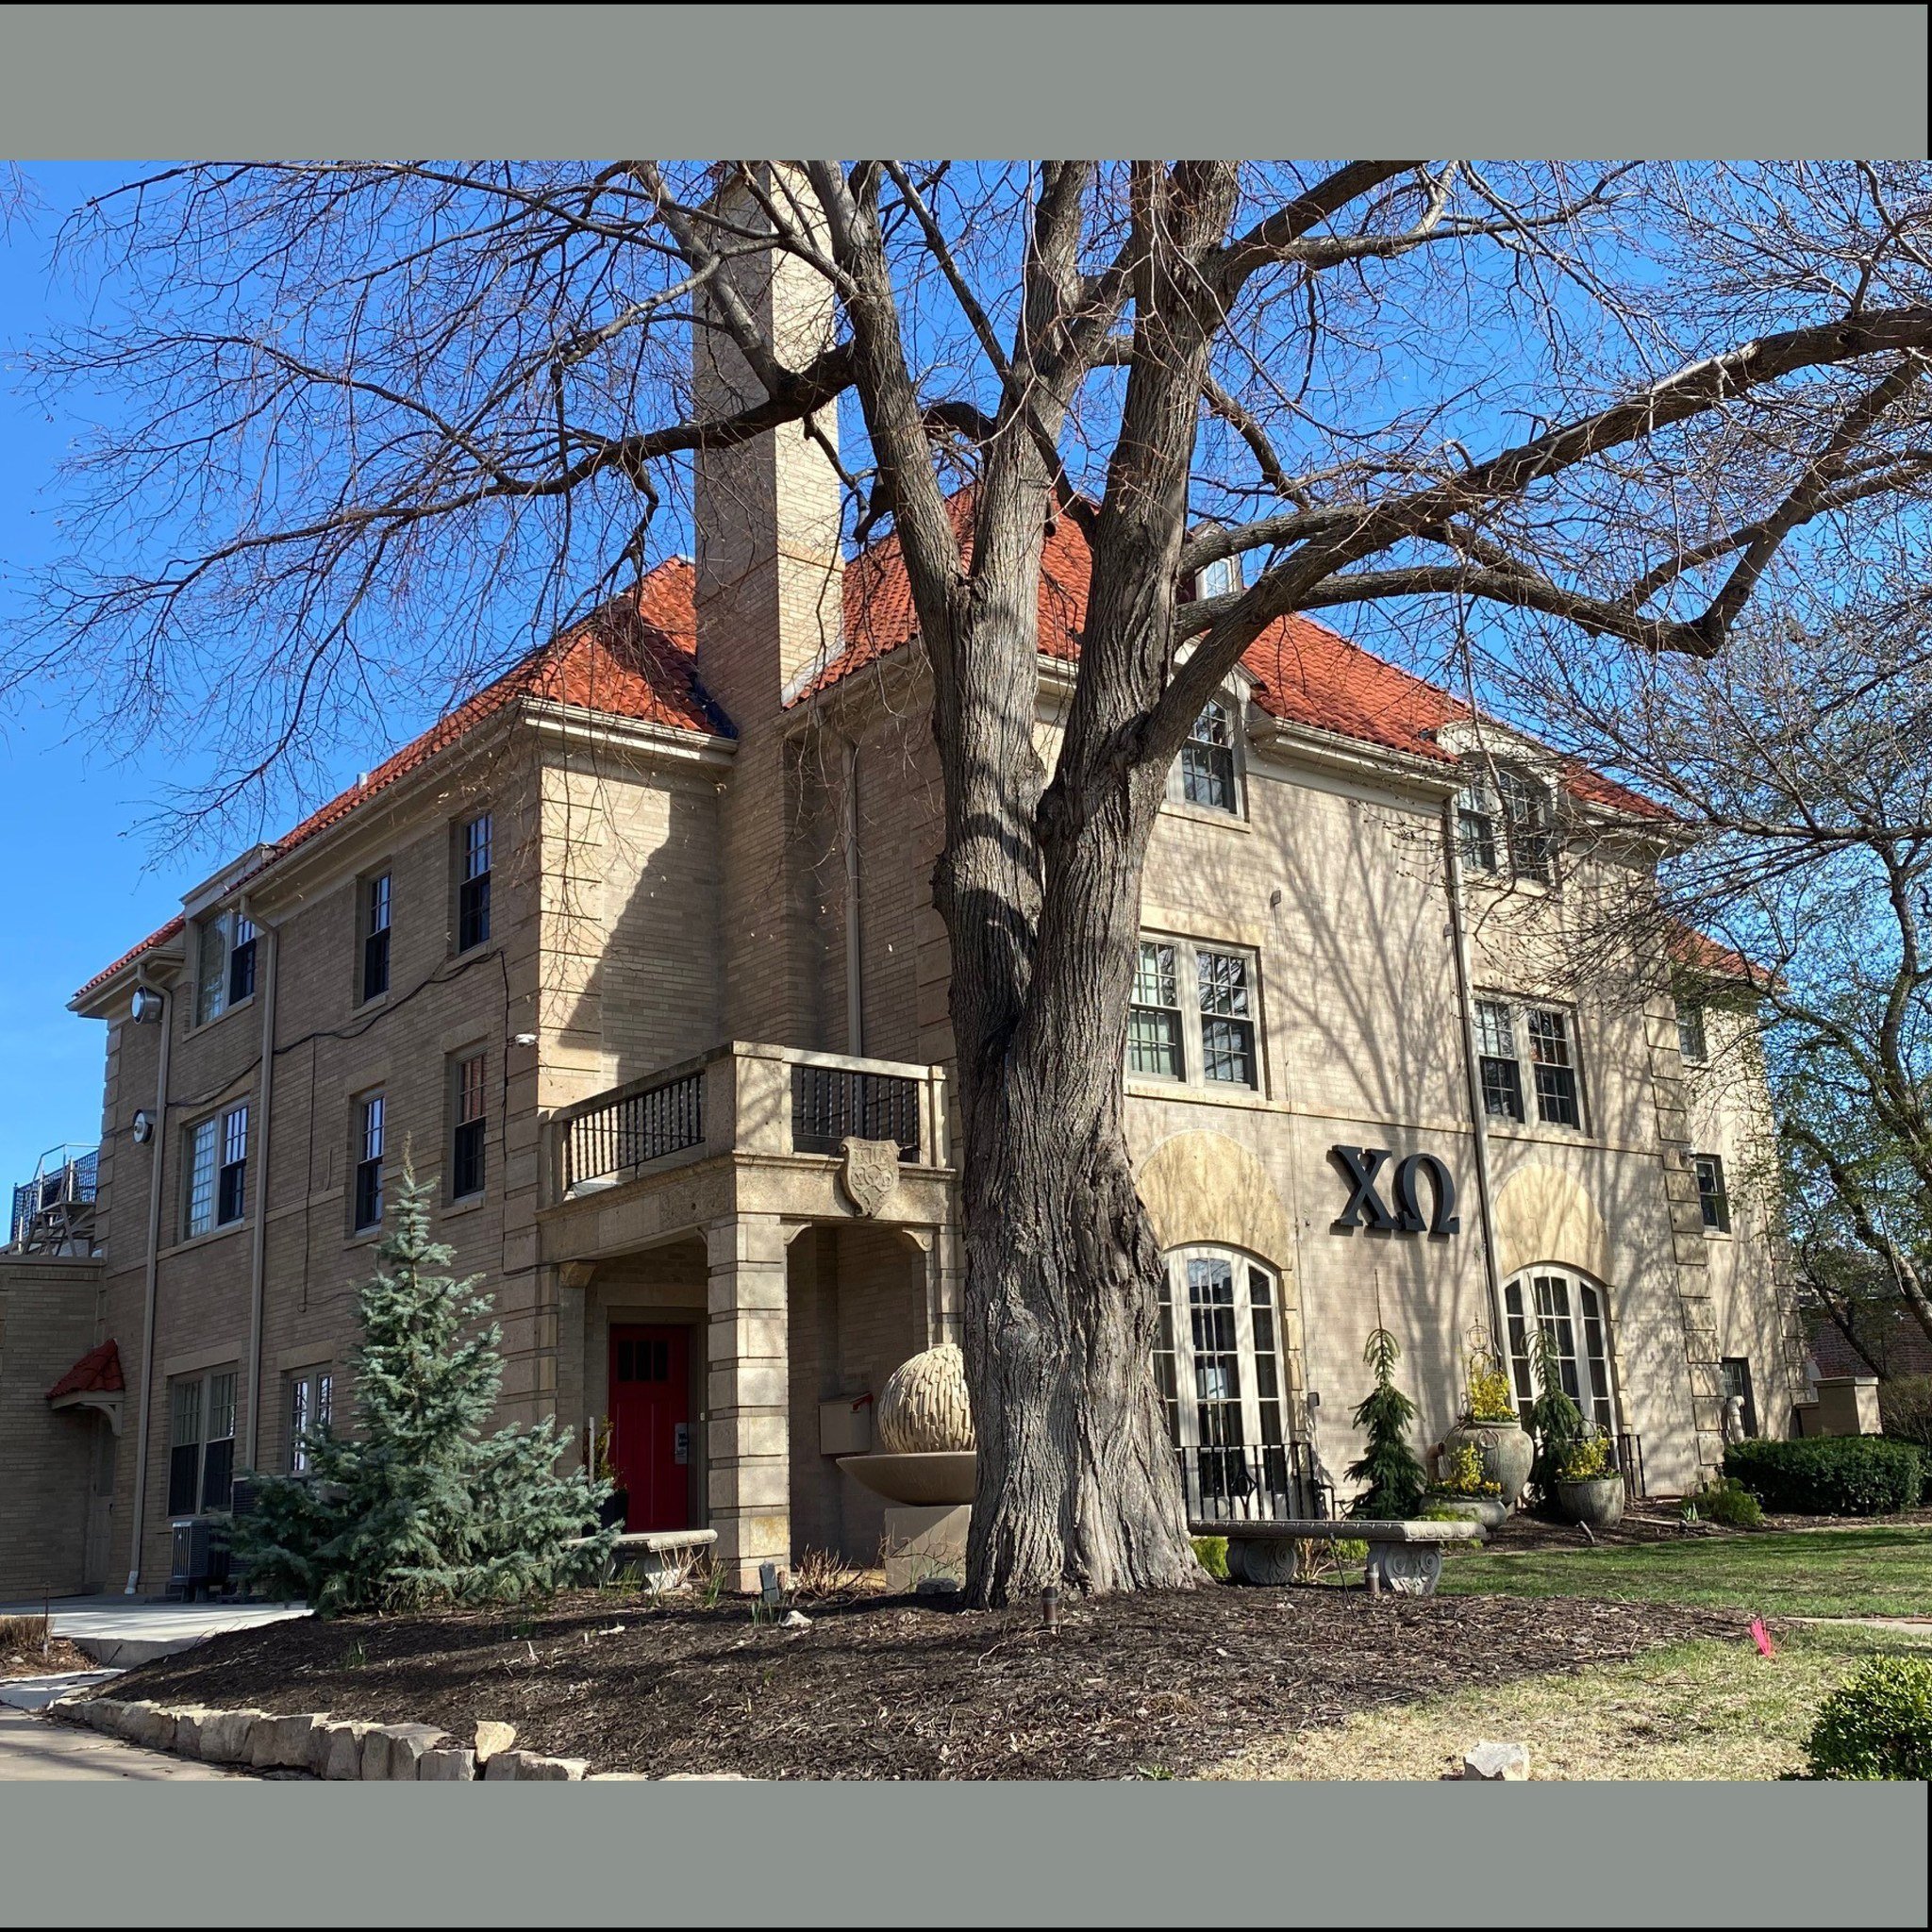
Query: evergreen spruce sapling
point(1555, 1420)
point(1388, 1466)
point(418, 1505)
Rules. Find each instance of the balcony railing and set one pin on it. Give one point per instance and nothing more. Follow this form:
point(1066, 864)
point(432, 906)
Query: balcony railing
point(830, 1103)
point(55, 1205)
point(1270, 1482)
point(748, 1100)
point(618, 1134)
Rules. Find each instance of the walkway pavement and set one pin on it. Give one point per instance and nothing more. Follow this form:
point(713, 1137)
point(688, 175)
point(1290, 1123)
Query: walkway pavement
point(125, 1631)
point(30, 1747)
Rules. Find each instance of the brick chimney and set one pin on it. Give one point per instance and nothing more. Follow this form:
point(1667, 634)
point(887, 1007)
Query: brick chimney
point(767, 528)
point(767, 513)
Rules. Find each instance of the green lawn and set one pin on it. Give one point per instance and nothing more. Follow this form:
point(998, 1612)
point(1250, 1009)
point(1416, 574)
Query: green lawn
point(1847, 1573)
point(1689, 1710)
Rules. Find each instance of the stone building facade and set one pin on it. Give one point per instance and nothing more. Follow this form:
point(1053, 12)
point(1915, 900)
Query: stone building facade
point(626, 948)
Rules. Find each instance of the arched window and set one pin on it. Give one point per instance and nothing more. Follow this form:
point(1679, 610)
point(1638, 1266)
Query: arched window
point(1571, 1311)
point(1217, 1362)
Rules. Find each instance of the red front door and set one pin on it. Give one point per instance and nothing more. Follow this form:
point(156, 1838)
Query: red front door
point(650, 1423)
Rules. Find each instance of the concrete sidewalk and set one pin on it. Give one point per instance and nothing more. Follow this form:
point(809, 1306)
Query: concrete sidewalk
point(31, 1748)
point(121, 1631)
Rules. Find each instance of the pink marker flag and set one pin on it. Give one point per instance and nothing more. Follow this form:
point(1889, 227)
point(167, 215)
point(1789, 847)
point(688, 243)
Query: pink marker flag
point(1761, 1637)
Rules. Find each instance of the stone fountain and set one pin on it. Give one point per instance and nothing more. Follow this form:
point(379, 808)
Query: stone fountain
point(924, 1469)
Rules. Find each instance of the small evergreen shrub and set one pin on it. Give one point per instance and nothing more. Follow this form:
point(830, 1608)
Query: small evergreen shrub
point(1555, 1420)
point(1393, 1479)
point(1210, 1552)
point(1878, 1724)
point(1830, 1475)
point(1904, 1409)
point(1725, 1501)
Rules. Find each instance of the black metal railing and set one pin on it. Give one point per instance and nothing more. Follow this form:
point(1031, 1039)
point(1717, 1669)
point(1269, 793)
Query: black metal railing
point(830, 1103)
point(1253, 1483)
point(1630, 1464)
point(64, 1181)
point(632, 1129)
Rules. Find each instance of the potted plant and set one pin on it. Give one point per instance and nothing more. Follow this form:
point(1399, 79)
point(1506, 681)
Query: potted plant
point(1463, 1488)
point(1392, 1478)
point(1489, 1423)
point(615, 1508)
point(1589, 1489)
point(1556, 1422)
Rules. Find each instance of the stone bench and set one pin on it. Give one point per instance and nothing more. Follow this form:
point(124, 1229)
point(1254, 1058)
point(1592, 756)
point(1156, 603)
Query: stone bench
point(660, 1556)
point(1405, 1556)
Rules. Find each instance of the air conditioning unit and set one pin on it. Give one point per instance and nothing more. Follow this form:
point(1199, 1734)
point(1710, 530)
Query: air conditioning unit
point(199, 1566)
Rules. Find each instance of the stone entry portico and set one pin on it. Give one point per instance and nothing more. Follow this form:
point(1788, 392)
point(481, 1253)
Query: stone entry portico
point(798, 1208)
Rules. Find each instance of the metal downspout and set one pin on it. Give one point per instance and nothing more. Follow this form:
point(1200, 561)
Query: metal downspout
point(257, 1247)
point(157, 1162)
point(1459, 930)
point(855, 1010)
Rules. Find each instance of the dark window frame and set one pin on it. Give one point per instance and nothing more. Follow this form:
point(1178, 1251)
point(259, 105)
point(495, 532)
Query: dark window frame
point(226, 1169)
point(469, 1124)
point(371, 1118)
point(201, 1468)
point(374, 904)
point(1209, 767)
point(476, 842)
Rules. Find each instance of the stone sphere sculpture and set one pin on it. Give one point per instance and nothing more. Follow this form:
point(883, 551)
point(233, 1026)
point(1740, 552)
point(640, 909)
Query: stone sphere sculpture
point(923, 1410)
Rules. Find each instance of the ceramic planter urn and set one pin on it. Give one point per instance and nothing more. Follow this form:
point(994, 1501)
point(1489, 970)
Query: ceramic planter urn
point(1507, 1452)
point(1598, 1502)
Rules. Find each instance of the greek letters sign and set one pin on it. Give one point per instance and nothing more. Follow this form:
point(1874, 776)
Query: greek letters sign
point(1359, 1167)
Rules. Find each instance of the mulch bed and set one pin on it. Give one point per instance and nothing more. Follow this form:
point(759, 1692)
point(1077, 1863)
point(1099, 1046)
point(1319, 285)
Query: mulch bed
point(1655, 1522)
point(901, 1688)
point(30, 1660)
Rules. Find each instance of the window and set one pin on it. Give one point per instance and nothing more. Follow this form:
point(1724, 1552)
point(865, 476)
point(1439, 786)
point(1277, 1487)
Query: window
point(201, 1442)
point(466, 1149)
point(1208, 760)
point(1736, 1375)
point(1504, 826)
point(1711, 1198)
point(375, 933)
point(1570, 1310)
point(1502, 1079)
point(225, 965)
point(311, 1409)
point(217, 1171)
point(1153, 1020)
point(1193, 1015)
point(1556, 1078)
point(1220, 1378)
point(1690, 1040)
point(1221, 578)
point(473, 890)
point(1527, 822)
point(369, 1113)
point(1552, 1065)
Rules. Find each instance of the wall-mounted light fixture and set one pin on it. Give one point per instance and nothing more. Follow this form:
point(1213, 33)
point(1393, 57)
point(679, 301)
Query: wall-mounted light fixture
point(147, 1006)
point(144, 1125)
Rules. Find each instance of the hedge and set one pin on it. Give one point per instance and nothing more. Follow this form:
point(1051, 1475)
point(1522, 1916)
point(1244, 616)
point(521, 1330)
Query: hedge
point(1878, 1724)
point(1830, 1475)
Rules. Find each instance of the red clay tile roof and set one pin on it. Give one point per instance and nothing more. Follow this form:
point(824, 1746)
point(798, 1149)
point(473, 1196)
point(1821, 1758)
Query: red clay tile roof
point(97, 1373)
point(1701, 954)
point(637, 663)
point(642, 665)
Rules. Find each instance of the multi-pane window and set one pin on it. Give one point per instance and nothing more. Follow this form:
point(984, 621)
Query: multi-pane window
point(1208, 760)
point(1220, 1378)
point(1502, 1077)
point(466, 1144)
point(1556, 1075)
point(1228, 1021)
point(217, 1171)
point(472, 887)
point(1193, 1015)
point(1503, 825)
point(1570, 1311)
point(1553, 1062)
point(311, 1409)
point(1221, 578)
point(1154, 1019)
point(374, 934)
point(1712, 1200)
point(225, 964)
point(1690, 1040)
point(368, 1116)
point(201, 1442)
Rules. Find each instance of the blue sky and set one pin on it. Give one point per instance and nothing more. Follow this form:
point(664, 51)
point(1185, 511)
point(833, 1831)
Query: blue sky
point(85, 885)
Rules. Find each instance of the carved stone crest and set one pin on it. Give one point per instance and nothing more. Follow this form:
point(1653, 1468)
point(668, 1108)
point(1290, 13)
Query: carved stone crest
point(871, 1173)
